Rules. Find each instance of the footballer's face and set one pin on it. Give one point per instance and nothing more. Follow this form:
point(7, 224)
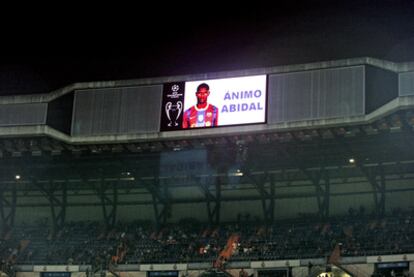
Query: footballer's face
point(202, 95)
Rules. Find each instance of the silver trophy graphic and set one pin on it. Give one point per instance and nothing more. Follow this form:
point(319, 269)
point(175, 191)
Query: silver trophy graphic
point(173, 112)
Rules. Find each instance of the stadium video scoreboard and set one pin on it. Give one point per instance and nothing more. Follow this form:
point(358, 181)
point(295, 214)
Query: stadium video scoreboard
point(214, 103)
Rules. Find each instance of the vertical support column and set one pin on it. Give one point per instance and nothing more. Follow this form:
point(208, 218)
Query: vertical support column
point(212, 197)
point(8, 208)
point(327, 195)
point(160, 202)
point(378, 188)
point(267, 195)
point(109, 202)
point(58, 203)
point(322, 193)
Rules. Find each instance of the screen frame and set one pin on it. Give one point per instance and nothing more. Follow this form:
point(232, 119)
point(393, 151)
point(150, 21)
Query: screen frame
point(167, 85)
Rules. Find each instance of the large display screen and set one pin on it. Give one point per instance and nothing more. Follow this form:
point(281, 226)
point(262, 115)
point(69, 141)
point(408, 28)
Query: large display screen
point(214, 102)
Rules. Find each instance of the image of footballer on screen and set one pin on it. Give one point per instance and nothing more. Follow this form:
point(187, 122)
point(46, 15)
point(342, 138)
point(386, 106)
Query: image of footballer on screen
point(224, 102)
point(202, 114)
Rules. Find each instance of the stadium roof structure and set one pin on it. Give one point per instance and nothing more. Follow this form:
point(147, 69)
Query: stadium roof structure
point(304, 159)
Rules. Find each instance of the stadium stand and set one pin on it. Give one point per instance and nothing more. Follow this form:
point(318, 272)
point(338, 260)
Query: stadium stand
point(322, 186)
point(129, 243)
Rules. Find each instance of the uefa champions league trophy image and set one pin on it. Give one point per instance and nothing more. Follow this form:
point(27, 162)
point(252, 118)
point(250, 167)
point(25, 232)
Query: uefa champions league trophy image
point(173, 112)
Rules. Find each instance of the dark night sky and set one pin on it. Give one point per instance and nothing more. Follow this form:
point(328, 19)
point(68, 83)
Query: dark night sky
point(38, 56)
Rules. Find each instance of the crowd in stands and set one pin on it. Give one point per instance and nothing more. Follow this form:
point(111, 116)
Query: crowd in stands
point(192, 241)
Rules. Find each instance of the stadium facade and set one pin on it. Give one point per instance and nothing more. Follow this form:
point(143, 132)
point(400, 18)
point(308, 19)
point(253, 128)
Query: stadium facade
point(336, 137)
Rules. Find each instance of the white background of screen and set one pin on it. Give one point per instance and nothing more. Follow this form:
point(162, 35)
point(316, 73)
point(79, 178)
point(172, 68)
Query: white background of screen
point(218, 90)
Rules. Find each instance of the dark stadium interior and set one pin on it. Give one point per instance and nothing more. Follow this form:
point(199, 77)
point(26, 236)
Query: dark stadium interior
point(93, 183)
